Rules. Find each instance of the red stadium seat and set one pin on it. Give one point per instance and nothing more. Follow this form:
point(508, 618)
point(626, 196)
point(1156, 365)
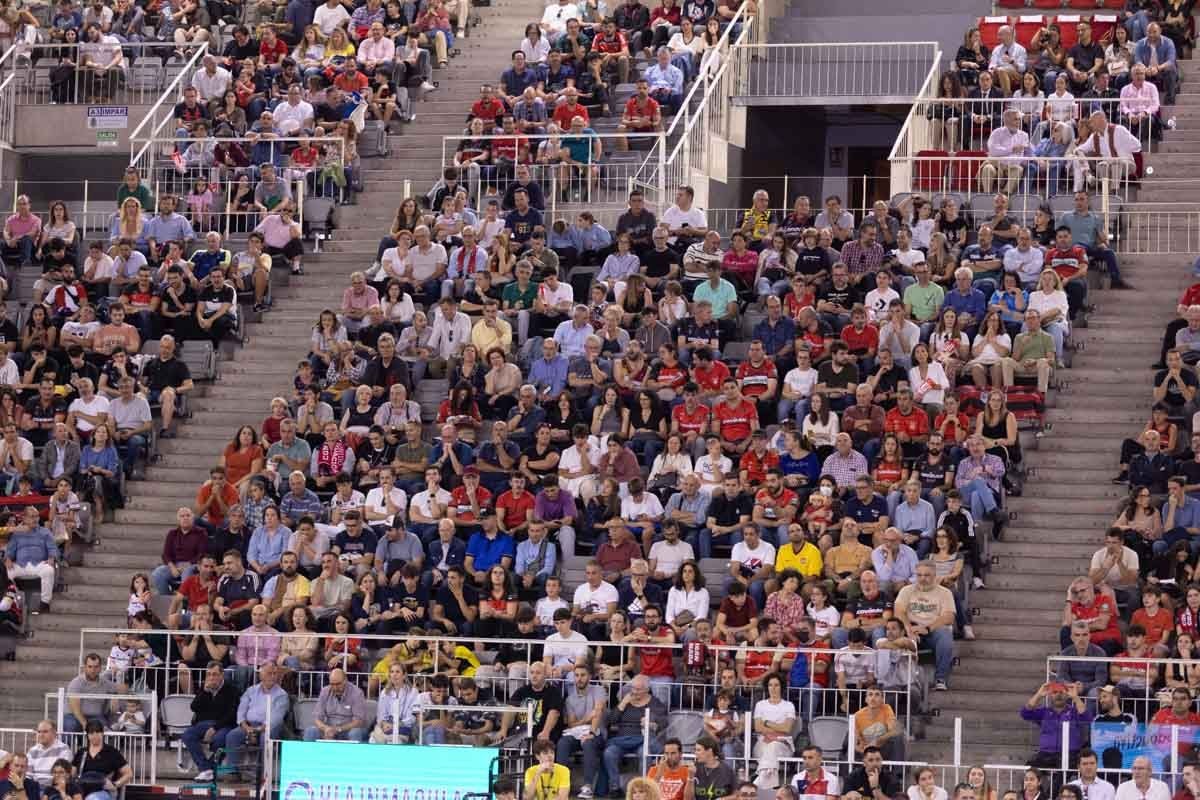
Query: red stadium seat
point(1010, 3)
point(1103, 26)
point(989, 30)
point(1027, 25)
point(1049, 4)
point(1089, 5)
point(929, 170)
point(1066, 27)
point(1113, 5)
point(964, 168)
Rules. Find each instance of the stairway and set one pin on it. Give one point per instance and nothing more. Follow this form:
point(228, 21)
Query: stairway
point(1068, 500)
point(98, 591)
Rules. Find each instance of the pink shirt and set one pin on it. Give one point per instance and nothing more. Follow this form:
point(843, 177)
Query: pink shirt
point(371, 50)
point(20, 226)
point(275, 232)
point(1137, 101)
point(359, 302)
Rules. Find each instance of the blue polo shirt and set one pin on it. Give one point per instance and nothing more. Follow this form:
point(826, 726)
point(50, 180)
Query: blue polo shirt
point(488, 552)
point(1187, 516)
point(866, 513)
point(973, 303)
point(1084, 227)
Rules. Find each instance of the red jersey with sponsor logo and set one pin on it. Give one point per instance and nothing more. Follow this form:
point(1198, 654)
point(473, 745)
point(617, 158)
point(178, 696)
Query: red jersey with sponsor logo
point(711, 379)
point(736, 421)
point(754, 380)
point(690, 421)
point(756, 466)
point(861, 341)
point(914, 423)
point(1067, 263)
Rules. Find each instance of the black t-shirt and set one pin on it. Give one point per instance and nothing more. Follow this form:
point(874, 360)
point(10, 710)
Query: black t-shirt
point(1174, 397)
point(187, 297)
point(958, 523)
point(414, 600)
point(930, 474)
point(548, 699)
point(728, 512)
point(48, 368)
point(368, 335)
point(845, 297)
point(810, 262)
point(213, 298)
point(837, 380)
point(324, 112)
point(639, 227)
point(871, 611)
point(43, 418)
point(9, 332)
point(691, 329)
point(192, 113)
point(449, 604)
point(522, 225)
point(952, 228)
point(238, 52)
point(1085, 56)
point(714, 782)
point(107, 762)
point(379, 374)
point(857, 781)
point(658, 263)
point(159, 374)
point(1190, 470)
point(363, 544)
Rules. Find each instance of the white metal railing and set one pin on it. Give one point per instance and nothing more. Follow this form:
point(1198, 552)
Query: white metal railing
point(137, 77)
point(162, 112)
point(818, 73)
point(139, 748)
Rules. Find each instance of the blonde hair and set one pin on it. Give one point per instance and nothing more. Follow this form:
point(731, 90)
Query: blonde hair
point(649, 787)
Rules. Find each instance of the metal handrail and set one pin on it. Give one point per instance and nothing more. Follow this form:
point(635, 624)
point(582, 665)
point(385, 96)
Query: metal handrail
point(173, 90)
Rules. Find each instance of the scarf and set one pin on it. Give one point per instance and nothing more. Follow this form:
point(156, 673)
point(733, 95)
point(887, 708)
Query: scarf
point(332, 456)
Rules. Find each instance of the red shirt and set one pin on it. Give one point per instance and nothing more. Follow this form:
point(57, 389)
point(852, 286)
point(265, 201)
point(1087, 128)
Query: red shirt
point(861, 341)
point(793, 304)
point(1101, 605)
point(1167, 716)
point(816, 343)
point(1067, 263)
point(196, 592)
point(272, 54)
point(756, 467)
point(563, 115)
point(648, 109)
point(1162, 621)
point(757, 663)
point(656, 661)
point(675, 377)
point(458, 497)
point(914, 423)
point(347, 84)
point(743, 266)
point(946, 426)
point(512, 509)
point(736, 421)
point(603, 44)
point(711, 379)
point(1191, 296)
point(690, 422)
point(487, 111)
point(779, 502)
point(754, 379)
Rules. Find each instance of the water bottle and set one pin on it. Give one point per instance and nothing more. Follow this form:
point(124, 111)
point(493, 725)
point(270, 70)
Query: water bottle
point(1171, 123)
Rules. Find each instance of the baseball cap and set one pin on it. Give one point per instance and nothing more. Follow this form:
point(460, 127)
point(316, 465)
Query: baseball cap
point(471, 471)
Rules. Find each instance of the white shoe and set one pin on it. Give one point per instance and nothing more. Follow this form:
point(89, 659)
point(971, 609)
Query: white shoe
point(977, 583)
point(203, 776)
point(968, 633)
point(428, 87)
point(585, 793)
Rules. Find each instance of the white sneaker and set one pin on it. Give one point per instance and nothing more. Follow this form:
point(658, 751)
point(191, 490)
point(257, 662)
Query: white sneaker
point(977, 583)
point(585, 793)
point(968, 633)
point(203, 776)
point(428, 87)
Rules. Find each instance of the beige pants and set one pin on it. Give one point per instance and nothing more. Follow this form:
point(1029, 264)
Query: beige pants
point(1003, 175)
point(438, 40)
point(1042, 368)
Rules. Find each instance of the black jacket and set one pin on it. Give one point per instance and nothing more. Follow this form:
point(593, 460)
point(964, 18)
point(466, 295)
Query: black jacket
point(221, 707)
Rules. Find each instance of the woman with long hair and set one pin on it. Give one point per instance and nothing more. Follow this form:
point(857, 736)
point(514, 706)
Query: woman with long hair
point(1141, 523)
point(610, 415)
point(889, 472)
point(242, 458)
point(1118, 60)
point(998, 428)
point(927, 379)
point(407, 218)
point(98, 465)
point(631, 371)
point(128, 223)
point(925, 783)
point(497, 606)
point(309, 53)
point(603, 511)
point(1055, 307)
point(397, 304)
point(461, 411)
point(369, 604)
point(327, 334)
point(977, 778)
point(947, 558)
point(562, 417)
point(948, 344)
point(972, 57)
point(774, 720)
point(669, 467)
point(688, 599)
point(945, 113)
point(1046, 56)
point(821, 425)
point(540, 458)
point(992, 345)
point(58, 226)
point(642, 789)
point(298, 647)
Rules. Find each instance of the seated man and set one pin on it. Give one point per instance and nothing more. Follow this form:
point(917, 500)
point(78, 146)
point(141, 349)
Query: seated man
point(341, 712)
point(1107, 153)
point(1157, 54)
point(927, 610)
point(1139, 106)
point(1007, 147)
point(665, 80)
point(642, 114)
point(261, 713)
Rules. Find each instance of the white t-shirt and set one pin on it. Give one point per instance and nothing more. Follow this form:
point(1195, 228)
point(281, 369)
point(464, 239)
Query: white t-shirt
point(594, 601)
point(328, 19)
point(570, 461)
point(10, 375)
point(783, 711)
point(98, 405)
point(825, 620)
point(81, 329)
point(375, 502)
point(545, 608)
point(572, 650)
point(706, 469)
point(675, 217)
point(421, 501)
point(424, 265)
point(670, 557)
point(650, 506)
point(755, 559)
point(552, 297)
point(1098, 789)
point(1157, 791)
point(877, 303)
point(393, 264)
point(801, 381)
point(1129, 558)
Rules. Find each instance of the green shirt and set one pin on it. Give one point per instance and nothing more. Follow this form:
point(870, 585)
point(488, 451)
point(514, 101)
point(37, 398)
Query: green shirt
point(1036, 345)
point(413, 453)
point(720, 297)
point(925, 301)
point(513, 295)
point(142, 193)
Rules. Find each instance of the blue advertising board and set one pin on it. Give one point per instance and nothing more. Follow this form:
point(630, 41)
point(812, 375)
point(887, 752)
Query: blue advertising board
point(351, 771)
point(1118, 745)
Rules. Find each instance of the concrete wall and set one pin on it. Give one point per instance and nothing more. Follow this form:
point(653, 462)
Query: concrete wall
point(66, 126)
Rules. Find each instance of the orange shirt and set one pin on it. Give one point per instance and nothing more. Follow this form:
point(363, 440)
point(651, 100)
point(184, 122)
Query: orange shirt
point(670, 781)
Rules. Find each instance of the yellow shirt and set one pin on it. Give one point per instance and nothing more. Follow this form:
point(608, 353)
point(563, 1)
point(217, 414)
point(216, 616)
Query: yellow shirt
point(546, 787)
point(385, 663)
point(485, 338)
point(847, 557)
point(807, 562)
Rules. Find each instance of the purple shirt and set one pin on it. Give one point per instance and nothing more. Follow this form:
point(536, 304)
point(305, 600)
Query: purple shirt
point(1050, 722)
point(563, 508)
point(27, 226)
point(185, 548)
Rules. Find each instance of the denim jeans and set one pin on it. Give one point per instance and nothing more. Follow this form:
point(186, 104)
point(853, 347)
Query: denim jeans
point(704, 541)
point(618, 747)
point(979, 496)
point(193, 740)
point(134, 447)
point(593, 750)
point(235, 742)
point(162, 581)
point(312, 734)
point(942, 643)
